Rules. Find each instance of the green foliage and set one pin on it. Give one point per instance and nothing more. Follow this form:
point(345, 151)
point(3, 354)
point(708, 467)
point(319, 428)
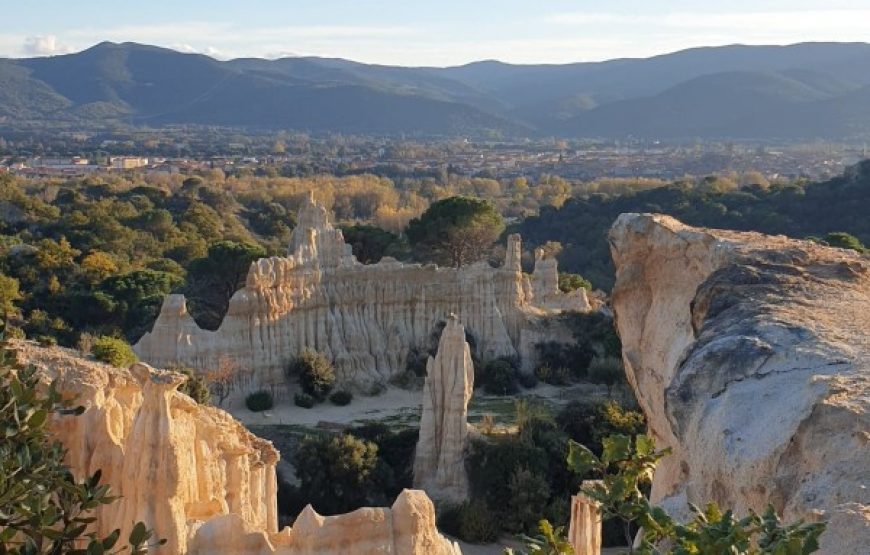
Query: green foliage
point(550, 541)
point(471, 522)
point(589, 423)
point(528, 381)
point(214, 278)
point(114, 351)
point(530, 493)
point(844, 240)
point(314, 372)
point(339, 474)
point(626, 463)
point(395, 449)
point(45, 509)
point(304, 400)
point(606, 371)
point(491, 464)
point(258, 401)
point(370, 243)
point(571, 282)
point(341, 398)
point(499, 377)
point(10, 294)
point(194, 386)
point(456, 231)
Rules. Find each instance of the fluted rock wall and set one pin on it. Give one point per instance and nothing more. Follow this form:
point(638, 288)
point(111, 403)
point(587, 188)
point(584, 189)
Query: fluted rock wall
point(366, 318)
point(751, 358)
point(198, 477)
point(439, 461)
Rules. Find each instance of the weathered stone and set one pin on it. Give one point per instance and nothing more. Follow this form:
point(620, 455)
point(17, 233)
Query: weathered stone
point(366, 318)
point(750, 356)
point(584, 529)
point(198, 477)
point(439, 463)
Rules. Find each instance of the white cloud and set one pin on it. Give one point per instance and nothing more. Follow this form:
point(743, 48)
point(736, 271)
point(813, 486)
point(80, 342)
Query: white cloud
point(43, 45)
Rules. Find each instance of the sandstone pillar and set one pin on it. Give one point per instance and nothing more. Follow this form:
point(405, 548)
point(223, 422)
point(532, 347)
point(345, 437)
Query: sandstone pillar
point(439, 463)
point(584, 531)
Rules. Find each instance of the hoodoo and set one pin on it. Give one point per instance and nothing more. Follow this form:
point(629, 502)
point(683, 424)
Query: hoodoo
point(751, 358)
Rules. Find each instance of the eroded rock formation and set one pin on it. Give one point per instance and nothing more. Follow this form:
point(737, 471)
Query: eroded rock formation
point(197, 477)
point(751, 358)
point(439, 462)
point(366, 318)
point(584, 528)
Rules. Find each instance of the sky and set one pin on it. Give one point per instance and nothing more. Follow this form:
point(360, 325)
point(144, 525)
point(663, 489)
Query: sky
point(428, 32)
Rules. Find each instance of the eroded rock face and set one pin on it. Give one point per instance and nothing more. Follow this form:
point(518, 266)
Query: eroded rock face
point(366, 318)
point(197, 477)
point(439, 462)
point(751, 358)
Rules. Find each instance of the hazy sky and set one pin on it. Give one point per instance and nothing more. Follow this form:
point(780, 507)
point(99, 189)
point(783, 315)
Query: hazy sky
point(431, 32)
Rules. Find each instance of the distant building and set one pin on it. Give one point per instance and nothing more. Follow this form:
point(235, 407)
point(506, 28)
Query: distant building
point(127, 162)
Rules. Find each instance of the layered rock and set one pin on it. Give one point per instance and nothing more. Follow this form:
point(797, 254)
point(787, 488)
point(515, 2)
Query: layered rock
point(751, 358)
point(198, 477)
point(584, 528)
point(439, 462)
point(366, 318)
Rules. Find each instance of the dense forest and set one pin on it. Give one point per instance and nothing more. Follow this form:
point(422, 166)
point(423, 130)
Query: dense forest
point(794, 209)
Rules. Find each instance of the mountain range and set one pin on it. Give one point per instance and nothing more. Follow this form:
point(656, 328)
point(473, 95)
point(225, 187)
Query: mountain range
point(796, 92)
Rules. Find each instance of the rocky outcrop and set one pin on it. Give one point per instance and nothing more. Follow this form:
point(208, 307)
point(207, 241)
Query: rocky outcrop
point(751, 358)
point(584, 528)
point(197, 476)
point(366, 318)
point(439, 462)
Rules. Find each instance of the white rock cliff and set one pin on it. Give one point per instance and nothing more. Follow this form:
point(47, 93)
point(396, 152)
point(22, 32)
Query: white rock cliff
point(439, 461)
point(751, 358)
point(197, 477)
point(366, 318)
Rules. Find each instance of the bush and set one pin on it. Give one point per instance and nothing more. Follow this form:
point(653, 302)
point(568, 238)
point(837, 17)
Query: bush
point(477, 524)
point(574, 359)
point(338, 474)
point(589, 423)
point(492, 463)
point(194, 387)
point(528, 381)
point(315, 373)
point(304, 400)
point(559, 376)
point(341, 398)
point(529, 495)
point(606, 371)
point(114, 351)
point(572, 282)
point(46, 341)
point(259, 401)
point(396, 449)
point(500, 377)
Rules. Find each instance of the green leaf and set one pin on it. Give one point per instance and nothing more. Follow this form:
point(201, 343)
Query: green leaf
point(580, 459)
point(644, 445)
point(110, 540)
point(139, 534)
point(616, 448)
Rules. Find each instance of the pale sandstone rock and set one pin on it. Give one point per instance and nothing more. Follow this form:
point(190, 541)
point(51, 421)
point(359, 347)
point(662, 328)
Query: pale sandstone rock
point(750, 356)
point(198, 477)
point(584, 528)
point(545, 287)
point(439, 461)
point(366, 318)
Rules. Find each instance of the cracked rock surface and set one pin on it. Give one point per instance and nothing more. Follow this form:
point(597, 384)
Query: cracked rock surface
point(750, 355)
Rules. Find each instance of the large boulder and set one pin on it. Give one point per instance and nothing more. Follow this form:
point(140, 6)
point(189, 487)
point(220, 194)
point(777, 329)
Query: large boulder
point(750, 355)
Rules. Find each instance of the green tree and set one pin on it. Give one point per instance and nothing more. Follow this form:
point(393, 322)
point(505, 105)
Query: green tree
point(337, 474)
point(213, 279)
point(9, 295)
point(114, 351)
point(844, 240)
point(455, 231)
point(370, 243)
point(314, 372)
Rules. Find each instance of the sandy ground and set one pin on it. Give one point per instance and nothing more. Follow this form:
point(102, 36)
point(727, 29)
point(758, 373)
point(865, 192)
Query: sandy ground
point(402, 407)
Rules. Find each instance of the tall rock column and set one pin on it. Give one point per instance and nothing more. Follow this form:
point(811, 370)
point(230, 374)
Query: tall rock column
point(439, 464)
point(584, 530)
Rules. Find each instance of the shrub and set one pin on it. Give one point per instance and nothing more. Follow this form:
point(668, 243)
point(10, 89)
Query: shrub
point(529, 495)
point(574, 359)
point(606, 371)
point(194, 387)
point(114, 351)
point(477, 524)
point(304, 400)
point(338, 474)
point(589, 423)
point(571, 282)
point(559, 376)
point(341, 398)
point(528, 381)
point(492, 463)
point(259, 401)
point(396, 449)
point(315, 373)
point(46, 341)
point(500, 377)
